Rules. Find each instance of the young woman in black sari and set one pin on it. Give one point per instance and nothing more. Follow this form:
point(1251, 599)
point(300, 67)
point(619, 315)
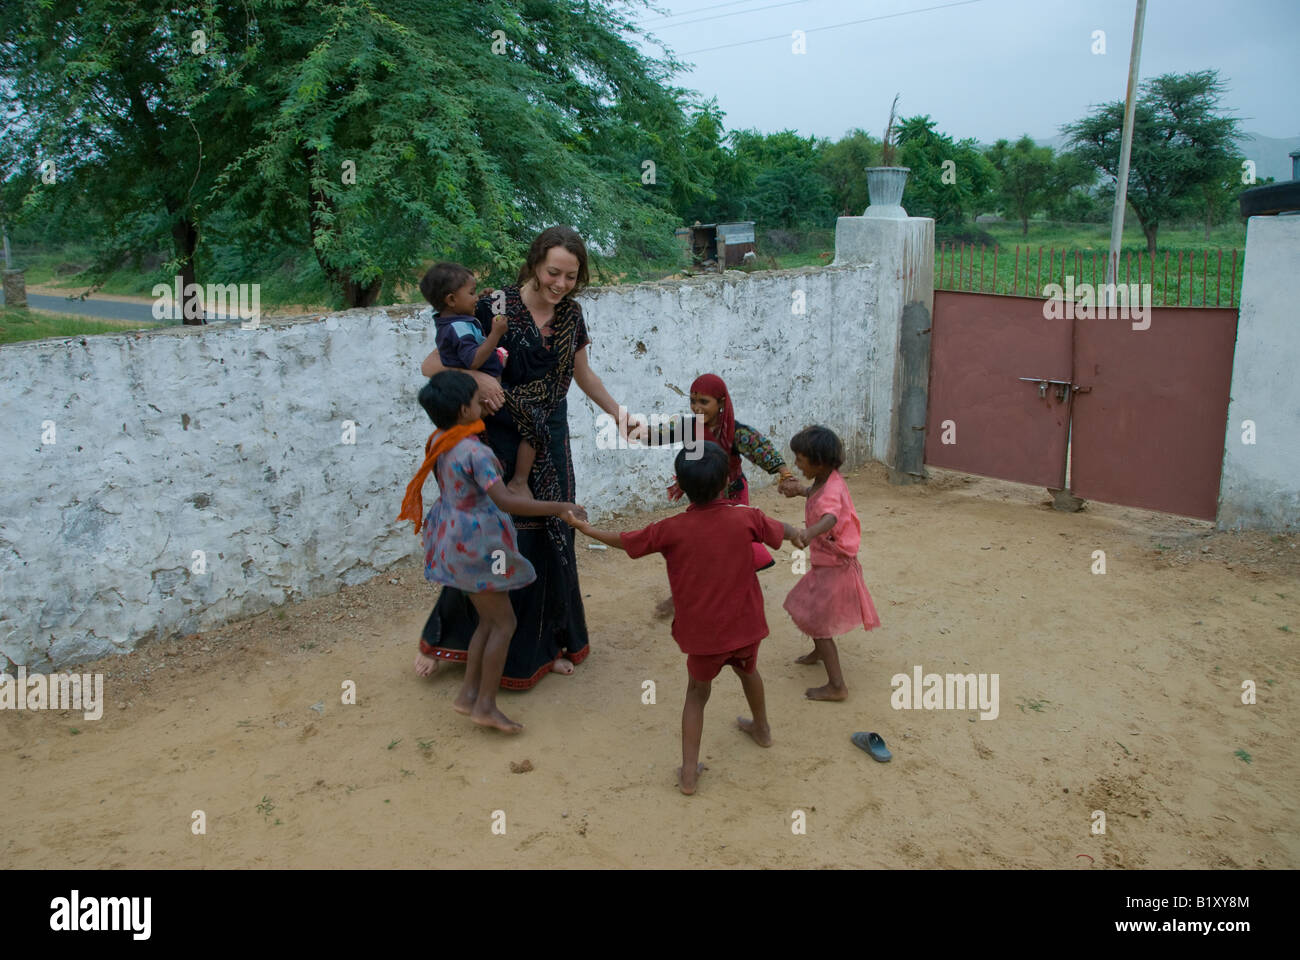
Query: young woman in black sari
point(547, 349)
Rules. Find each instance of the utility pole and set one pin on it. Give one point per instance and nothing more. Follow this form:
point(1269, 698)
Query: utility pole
point(1125, 149)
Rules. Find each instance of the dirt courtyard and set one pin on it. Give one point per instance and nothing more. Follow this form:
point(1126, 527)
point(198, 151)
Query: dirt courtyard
point(1118, 692)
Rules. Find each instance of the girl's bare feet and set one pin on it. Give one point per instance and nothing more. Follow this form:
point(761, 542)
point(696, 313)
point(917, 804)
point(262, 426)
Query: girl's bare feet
point(827, 692)
point(495, 718)
point(762, 735)
point(562, 665)
point(664, 608)
point(813, 657)
point(686, 784)
point(464, 702)
point(425, 665)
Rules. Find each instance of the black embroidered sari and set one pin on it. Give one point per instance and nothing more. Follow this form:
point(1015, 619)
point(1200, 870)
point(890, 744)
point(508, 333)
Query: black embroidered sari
point(549, 611)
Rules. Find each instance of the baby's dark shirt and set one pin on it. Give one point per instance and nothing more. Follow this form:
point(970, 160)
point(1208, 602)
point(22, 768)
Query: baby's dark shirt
point(458, 340)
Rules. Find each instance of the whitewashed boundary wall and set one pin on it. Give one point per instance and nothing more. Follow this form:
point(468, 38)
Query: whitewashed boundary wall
point(163, 482)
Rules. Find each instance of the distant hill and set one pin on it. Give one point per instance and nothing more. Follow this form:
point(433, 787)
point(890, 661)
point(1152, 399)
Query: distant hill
point(1269, 153)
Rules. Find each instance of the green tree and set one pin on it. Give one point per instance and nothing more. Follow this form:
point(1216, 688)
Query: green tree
point(947, 179)
point(1071, 193)
point(780, 185)
point(843, 165)
point(1024, 177)
point(1181, 143)
point(113, 113)
point(398, 133)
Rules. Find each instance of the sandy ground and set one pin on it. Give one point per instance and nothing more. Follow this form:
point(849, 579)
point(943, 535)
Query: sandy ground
point(1118, 692)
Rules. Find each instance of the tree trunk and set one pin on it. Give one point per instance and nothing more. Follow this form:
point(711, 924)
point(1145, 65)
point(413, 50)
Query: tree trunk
point(185, 240)
point(1024, 226)
point(357, 295)
point(1150, 232)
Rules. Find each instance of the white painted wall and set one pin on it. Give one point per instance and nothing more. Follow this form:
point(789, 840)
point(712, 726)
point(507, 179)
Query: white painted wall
point(1261, 481)
point(228, 441)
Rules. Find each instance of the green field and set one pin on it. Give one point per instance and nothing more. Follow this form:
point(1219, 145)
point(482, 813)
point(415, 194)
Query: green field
point(1024, 266)
point(19, 323)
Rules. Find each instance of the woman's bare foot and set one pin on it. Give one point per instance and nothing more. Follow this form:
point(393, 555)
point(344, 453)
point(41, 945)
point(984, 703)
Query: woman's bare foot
point(425, 665)
point(762, 735)
point(664, 608)
point(495, 718)
point(519, 487)
point(813, 657)
point(464, 702)
point(687, 784)
point(827, 692)
point(562, 665)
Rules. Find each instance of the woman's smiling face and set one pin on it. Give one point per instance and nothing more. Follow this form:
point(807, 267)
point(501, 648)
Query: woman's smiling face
point(705, 406)
point(557, 274)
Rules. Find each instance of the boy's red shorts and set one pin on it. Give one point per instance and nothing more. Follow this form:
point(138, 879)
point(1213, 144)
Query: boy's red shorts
point(705, 667)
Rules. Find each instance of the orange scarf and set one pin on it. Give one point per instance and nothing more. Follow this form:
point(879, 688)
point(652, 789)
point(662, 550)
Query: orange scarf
point(413, 502)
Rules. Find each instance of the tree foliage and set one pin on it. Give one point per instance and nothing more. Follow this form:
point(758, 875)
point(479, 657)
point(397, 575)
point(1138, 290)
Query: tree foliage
point(948, 179)
point(1181, 143)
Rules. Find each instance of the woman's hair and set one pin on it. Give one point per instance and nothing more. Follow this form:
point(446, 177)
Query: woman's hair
point(555, 237)
point(702, 478)
point(820, 445)
point(444, 395)
point(442, 280)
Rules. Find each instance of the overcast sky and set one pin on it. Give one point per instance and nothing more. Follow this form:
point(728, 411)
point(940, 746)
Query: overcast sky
point(984, 69)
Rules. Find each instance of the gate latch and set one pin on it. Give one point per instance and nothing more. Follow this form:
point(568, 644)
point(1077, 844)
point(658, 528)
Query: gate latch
point(1063, 387)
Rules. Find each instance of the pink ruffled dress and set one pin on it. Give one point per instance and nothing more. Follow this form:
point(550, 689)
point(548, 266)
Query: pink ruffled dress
point(832, 598)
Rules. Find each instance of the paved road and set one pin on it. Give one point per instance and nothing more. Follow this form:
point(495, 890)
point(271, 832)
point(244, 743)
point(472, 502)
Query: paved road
point(141, 313)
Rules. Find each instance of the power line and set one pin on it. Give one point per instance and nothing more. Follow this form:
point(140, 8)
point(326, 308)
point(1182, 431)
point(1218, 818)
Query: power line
point(687, 13)
point(833, 26)
point(716, 16)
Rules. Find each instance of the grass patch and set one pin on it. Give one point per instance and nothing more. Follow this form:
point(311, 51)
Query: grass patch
point(1205, 279)
point(19, 324)
point(1243, 756)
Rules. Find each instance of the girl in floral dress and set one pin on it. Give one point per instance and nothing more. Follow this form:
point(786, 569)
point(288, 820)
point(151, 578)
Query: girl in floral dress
point(469, 542)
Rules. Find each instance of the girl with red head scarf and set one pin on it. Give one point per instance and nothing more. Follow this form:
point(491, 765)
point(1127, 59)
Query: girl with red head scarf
point(711, 402)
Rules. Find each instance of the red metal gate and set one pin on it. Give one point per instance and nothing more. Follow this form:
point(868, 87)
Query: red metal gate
point(1145, 430)
point(1150, 431)
point(982, 418)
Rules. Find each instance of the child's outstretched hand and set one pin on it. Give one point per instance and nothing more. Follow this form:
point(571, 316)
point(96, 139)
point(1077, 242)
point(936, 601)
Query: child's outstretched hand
point(800, 539)
point(572, 518)
point(674, 491)
point(790, 487)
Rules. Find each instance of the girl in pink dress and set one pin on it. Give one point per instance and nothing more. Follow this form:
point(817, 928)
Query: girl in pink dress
point(831, 598)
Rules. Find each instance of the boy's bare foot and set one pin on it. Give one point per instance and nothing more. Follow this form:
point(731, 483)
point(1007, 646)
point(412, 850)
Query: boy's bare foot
point(827, 692)
point(687, 784)
point(495, 718)
point(519, 487)
point(464, 702)
point(562, 665)
point(425, 666)
point(762, 735)
point(664, 608)
point(813, 657)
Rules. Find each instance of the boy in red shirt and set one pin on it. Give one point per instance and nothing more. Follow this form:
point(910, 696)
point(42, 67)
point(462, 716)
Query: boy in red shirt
point(717, 601)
